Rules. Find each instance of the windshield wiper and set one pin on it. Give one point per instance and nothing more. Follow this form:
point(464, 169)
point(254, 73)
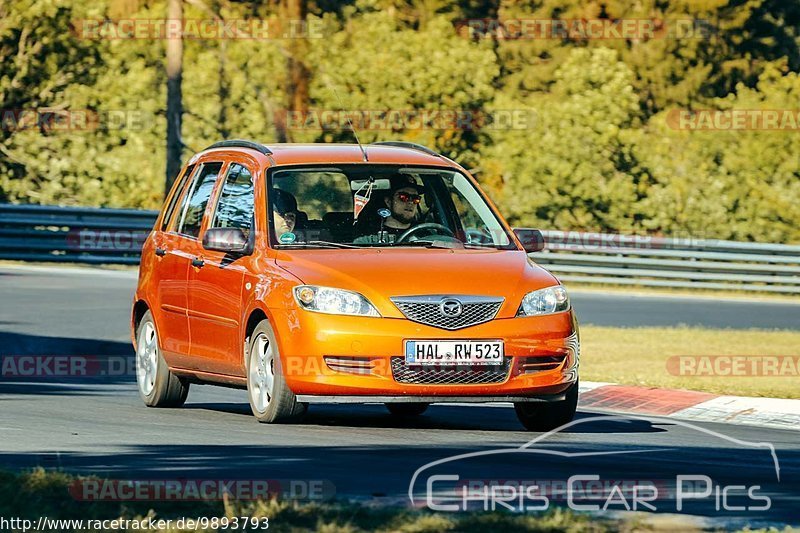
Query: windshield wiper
point(447, 245)
point(475, 245)
point(334, 244)
point(321, 244)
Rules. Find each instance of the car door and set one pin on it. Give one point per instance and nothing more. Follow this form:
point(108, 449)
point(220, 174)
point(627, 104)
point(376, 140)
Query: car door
point(185, 243)
point(215, 280)
point(171, 270)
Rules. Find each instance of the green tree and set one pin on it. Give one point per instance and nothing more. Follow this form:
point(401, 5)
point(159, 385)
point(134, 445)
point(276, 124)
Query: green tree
point(374, 64)
point(575, 169)
point(41, 59)
point(734, 184)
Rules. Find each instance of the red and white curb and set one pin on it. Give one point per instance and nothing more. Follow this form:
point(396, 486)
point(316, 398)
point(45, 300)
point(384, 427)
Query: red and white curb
point(691, 405)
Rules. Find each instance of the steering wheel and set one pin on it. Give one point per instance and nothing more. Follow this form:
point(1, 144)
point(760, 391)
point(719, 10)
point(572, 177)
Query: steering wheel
point(429, 226)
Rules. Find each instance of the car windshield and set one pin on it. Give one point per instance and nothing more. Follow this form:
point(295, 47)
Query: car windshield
point(379, 206)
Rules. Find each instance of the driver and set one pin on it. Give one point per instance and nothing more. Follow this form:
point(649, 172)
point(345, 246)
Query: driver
point(403, 202)
point(402, 212)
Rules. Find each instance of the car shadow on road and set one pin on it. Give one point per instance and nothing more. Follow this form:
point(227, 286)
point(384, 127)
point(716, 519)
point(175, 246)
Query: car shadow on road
point(37, 364)
point(447, 417)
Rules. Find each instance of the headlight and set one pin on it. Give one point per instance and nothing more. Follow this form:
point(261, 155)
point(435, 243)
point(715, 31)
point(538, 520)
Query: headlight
point(544, 302)
point(333, 301)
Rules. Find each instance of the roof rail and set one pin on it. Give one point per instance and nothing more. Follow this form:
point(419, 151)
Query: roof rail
point(241, 143)
point(406, 144)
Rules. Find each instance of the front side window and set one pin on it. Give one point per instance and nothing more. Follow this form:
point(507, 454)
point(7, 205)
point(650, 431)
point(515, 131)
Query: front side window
point(236, 201)
point(195, 202)
point(379, 205)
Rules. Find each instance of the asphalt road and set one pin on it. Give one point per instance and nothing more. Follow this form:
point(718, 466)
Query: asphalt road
point(98, 424)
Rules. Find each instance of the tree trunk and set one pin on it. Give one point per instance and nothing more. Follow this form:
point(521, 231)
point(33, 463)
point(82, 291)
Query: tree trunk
point(174, 96)
point(294, 20)
point(223, 91)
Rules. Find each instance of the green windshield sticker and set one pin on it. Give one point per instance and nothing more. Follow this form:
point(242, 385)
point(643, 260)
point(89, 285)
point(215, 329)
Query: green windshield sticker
point(287, 238)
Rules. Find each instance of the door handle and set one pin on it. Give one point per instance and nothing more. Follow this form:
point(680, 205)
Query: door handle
point(197, 262)
point(160, 252)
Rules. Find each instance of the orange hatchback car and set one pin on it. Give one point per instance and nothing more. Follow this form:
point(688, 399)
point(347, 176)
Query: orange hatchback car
point(348, 274)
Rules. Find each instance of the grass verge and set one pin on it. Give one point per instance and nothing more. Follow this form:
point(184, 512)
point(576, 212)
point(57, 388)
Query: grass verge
point(640, 356)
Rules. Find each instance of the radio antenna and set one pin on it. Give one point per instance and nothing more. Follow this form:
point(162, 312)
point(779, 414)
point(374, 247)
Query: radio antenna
point(347, 115)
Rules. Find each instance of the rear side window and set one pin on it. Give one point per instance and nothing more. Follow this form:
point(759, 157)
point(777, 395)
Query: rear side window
point(195, 202)
point(174, 199)
point(236, 201)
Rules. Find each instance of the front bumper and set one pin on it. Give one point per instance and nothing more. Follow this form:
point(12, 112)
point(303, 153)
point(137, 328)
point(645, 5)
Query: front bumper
point(308, 341)
point(313, 398)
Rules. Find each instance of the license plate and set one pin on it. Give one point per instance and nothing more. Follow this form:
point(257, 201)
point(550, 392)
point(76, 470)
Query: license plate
point(454, 352)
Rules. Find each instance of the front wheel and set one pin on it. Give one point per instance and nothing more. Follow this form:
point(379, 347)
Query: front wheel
point(158, 387)
point(544, 416)
point(271, 400)
point(407, 409)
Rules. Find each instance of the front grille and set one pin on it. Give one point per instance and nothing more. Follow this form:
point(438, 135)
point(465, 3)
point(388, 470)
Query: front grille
point(449, 375)
point(428, 310)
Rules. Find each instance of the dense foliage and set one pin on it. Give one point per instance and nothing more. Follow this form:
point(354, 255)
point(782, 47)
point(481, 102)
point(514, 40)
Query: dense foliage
point(599, 148)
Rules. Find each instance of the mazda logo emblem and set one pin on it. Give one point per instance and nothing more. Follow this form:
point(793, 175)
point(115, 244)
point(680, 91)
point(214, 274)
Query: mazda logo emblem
point(450, 307)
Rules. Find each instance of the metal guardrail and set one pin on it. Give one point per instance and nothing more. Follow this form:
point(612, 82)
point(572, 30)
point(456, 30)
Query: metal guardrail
point(669, 262)
point(73, 234)
point(115, 236)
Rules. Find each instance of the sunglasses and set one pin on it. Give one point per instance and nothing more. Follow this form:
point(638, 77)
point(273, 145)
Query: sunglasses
point(406, 197)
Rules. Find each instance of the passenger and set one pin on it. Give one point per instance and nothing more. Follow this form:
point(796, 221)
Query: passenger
point(284, 212)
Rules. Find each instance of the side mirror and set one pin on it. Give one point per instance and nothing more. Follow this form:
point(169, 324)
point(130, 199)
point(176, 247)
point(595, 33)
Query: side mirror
point(228, 240)
point(532, 239)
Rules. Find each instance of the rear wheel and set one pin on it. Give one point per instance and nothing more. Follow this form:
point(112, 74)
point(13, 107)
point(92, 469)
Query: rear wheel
point(544, 416)
point(158, 387)
point(407, 409)
point(271, 400)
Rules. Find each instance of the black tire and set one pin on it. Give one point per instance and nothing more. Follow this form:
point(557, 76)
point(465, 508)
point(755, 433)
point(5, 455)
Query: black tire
point(281, 405)
point(407, 409)
point(545, 416)
point(161, 388)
